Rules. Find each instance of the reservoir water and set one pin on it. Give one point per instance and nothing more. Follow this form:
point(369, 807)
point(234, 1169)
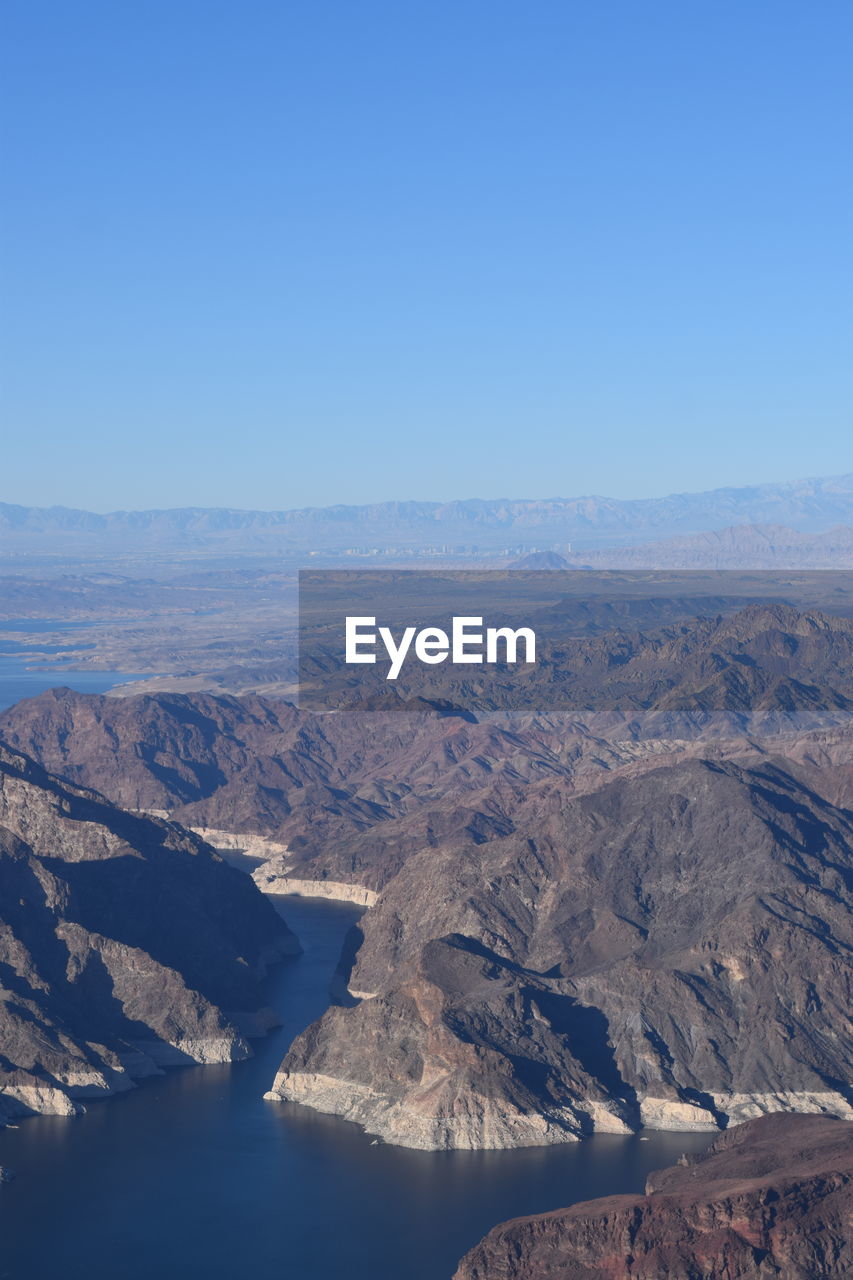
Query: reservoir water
point(193, 1174)
point(18, 680)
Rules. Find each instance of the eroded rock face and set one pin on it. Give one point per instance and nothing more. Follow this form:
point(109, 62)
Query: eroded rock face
point(126, 944)
point(346, 799)
point(574, 924)
point(671, 950)
point(771, 1198)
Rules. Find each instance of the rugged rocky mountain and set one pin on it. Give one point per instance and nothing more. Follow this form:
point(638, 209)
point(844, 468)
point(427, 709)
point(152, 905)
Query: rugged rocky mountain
point(763, 668)
point(772, 1198)
point(126, 944)
point(352, 796)
point(671, 949)
point(632, 911)
point(824, 760)
point(325, 787)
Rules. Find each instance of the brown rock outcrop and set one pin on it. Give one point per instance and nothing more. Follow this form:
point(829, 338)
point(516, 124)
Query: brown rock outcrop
point(772, 1198)
point(126, 944)
point(671, 949)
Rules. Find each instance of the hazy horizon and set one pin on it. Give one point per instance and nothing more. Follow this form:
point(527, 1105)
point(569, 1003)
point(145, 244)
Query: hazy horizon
point(471, 497)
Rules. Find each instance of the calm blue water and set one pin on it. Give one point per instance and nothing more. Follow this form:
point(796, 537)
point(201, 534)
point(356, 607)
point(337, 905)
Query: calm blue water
point(17, 682)
point(194, 1175)
point(43, 625)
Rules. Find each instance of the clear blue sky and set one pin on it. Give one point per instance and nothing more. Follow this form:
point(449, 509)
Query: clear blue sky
point(272, 253)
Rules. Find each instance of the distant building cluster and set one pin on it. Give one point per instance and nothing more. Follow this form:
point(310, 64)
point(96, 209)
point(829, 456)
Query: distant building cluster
point(461, 550)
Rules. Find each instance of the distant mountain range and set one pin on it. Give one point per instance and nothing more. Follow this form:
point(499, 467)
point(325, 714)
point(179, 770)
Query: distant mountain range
point(475, 527)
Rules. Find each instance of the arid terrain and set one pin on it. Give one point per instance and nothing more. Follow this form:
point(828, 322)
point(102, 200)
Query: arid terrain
point(127, 945)
point(605, 894)
point(771, 1198)
point(632, 912)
